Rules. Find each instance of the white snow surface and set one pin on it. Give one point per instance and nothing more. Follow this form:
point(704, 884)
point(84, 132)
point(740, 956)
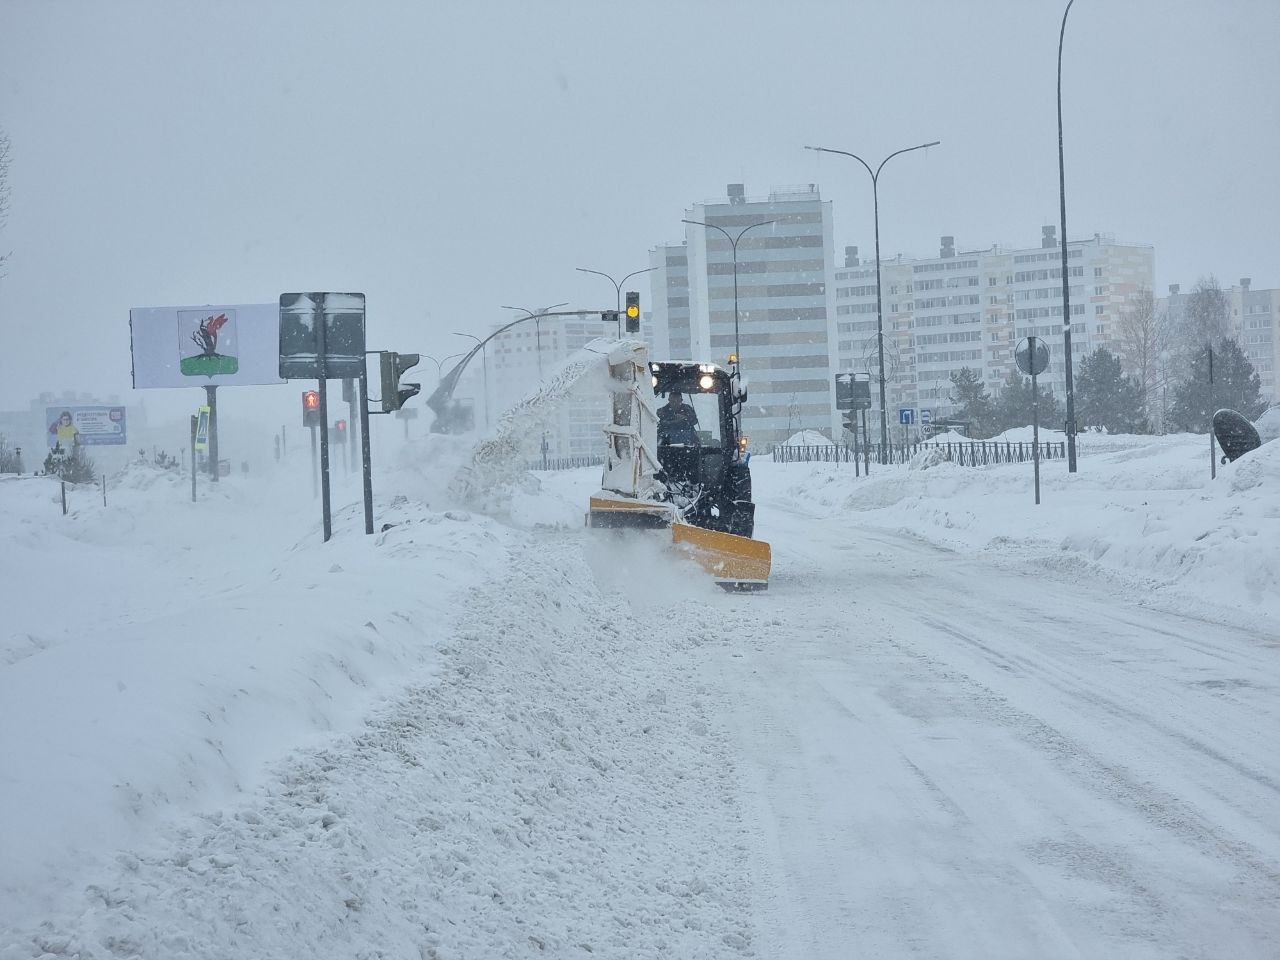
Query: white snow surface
point(807, 438)
point(958, 725)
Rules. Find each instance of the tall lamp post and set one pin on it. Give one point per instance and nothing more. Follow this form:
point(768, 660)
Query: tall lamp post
point(733, 244)
point(1066, 287)
point(875, 198)
point(484, 359)
point(617, 286)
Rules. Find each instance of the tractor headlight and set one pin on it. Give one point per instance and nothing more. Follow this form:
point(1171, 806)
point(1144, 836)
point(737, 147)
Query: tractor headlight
point(655, 381)
point(706, 382)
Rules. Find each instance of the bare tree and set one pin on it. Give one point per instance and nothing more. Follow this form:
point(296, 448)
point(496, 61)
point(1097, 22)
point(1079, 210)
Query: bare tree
point(1143, 343)
point(1208, 316)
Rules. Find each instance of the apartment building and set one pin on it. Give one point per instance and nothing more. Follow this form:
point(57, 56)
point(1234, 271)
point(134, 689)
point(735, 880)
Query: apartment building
point(1254, 323)
point(969, 308)
point(669, 293)
point(785, 319)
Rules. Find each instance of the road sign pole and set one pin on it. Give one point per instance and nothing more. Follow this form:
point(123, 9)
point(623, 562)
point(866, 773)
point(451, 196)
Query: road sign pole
point(321, 349)
point(212, 393)
point(367, 468)
point(1035, 422)
point(1213, 454)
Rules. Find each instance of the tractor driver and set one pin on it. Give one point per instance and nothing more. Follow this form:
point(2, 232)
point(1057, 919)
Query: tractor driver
point(677, 421)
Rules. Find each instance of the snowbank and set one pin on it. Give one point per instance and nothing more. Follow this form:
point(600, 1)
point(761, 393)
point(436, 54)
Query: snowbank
point(156, 652)
point(807, 438)
point(1139, 507)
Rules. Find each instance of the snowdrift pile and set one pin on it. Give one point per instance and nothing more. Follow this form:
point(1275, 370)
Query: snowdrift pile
point(1139, 507)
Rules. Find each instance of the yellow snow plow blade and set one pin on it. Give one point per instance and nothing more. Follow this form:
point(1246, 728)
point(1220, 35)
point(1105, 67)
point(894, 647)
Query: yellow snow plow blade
point(737, 563)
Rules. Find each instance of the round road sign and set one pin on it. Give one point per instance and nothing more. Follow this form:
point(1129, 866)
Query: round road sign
point(1032, 360)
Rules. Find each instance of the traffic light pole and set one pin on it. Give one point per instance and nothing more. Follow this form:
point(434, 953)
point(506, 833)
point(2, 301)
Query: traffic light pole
point(349, 389)
point(364, 452)
point(315, 468)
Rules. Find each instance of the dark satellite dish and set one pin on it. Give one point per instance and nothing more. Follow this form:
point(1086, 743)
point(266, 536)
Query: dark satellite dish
point(1236, 435)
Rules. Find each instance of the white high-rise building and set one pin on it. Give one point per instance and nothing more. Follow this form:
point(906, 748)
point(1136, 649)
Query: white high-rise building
point(969, 308)
point(786, 327)
point(1254, 323)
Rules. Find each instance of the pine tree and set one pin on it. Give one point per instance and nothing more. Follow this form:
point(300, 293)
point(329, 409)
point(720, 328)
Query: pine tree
point(1236, 386)
point(970, 395)
point(73, 467)
point(1013, 407)
point(1106, 397)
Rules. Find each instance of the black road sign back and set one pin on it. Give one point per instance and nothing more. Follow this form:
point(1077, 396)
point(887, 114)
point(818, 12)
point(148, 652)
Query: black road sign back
point(1236, 435)
point(1032, 363)
point(853, 391)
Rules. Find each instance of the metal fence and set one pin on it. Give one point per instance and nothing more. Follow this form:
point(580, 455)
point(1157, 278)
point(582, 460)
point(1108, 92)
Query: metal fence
point(566, 463)
point(975, 453)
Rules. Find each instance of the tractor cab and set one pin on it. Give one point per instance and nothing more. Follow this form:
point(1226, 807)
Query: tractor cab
point(700, 448)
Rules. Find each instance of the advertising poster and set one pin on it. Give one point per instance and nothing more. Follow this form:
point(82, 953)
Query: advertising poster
point(84, 426)
point(219, 345)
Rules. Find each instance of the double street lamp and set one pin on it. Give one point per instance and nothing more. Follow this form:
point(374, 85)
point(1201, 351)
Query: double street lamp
point(875, 196)
point(733, 245)
point(617, 286)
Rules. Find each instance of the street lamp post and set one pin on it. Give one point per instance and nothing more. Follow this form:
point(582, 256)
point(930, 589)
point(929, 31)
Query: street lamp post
point(875, 198)
point(733, 244)
point(617, 286)
point(484, 360)
point(1066, 288)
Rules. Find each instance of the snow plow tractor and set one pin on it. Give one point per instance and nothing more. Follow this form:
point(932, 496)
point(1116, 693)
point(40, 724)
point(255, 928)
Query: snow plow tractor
point(681, 463)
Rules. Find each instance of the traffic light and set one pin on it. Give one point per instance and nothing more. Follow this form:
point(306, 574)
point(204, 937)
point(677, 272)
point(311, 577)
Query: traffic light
point(851, 421)
point(394, 393)
point(341, 427)
point(633, 312)
point(310, 408)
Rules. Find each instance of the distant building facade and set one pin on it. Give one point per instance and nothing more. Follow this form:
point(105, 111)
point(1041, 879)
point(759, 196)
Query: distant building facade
point(786, 325)
point(669, 293)
point(1254, 323)
point(969, 308)
point(532, 351)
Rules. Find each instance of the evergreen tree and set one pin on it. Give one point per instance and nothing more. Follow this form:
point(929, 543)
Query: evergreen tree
point(1013, 407)
point(970, 395)
point(1106, 397)
point(1235, 386)
point(73, 467)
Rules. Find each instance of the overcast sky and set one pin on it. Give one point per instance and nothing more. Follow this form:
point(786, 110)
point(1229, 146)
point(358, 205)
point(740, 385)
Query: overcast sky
point(446, 157)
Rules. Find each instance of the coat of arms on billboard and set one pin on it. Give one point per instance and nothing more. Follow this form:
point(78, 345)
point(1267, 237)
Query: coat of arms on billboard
point(207, 343)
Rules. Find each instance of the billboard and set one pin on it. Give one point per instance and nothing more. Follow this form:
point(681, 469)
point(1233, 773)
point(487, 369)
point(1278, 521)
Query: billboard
point(84, 425)
point(220, 345)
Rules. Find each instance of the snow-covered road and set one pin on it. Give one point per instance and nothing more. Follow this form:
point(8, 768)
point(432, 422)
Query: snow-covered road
point(509, 736)
point(945, 758)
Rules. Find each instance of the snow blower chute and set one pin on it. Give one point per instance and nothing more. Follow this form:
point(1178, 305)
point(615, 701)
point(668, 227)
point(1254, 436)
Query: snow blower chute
point(681, 465)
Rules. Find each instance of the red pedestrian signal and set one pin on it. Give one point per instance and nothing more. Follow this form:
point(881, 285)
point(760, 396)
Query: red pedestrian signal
point(340, 426)
point(310, 408)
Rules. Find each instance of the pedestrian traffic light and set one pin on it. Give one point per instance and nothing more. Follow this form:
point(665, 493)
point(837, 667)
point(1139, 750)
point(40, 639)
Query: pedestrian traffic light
point(341, 427)
point(851, 421)
point(633, 312)
point(395, 393)
point(310, 408)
